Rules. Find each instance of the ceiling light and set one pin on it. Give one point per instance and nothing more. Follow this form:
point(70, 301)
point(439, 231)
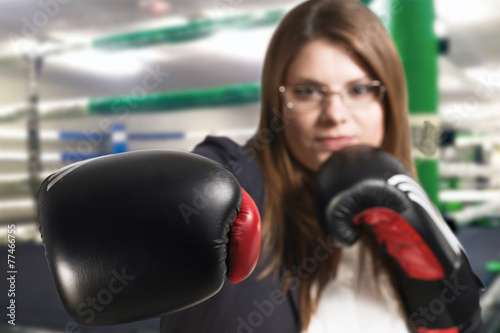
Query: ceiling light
point(104, 63)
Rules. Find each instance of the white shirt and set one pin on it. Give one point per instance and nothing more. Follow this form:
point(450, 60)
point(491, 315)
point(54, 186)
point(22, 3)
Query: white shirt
point(355, 301)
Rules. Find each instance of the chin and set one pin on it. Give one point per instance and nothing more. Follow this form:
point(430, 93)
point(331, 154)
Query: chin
point(321, 159)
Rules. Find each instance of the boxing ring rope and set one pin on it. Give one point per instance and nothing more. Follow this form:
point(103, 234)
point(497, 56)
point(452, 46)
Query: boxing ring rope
point(190, 31)
point(154, 102)
point(139, 136)
point(174, 34)
point(118, 146)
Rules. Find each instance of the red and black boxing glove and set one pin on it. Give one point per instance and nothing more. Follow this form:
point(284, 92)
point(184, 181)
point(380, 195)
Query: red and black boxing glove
point(364, 187)
point(142, 234)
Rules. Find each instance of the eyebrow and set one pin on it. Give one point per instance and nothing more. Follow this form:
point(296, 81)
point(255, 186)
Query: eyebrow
point(305, 80)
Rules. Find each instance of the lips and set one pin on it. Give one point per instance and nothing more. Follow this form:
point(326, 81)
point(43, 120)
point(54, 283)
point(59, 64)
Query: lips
point(334, 143)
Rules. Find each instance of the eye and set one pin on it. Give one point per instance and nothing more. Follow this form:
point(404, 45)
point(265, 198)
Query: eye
point(306, 92)
point(360, 90)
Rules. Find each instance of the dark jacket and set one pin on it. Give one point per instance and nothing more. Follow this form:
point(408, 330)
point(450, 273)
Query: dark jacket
point(251, 306)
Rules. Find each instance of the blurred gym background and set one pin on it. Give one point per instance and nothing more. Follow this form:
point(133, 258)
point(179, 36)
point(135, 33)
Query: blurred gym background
point(81, 79)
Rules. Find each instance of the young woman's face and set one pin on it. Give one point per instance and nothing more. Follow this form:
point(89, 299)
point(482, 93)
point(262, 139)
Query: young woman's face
point(314, 133)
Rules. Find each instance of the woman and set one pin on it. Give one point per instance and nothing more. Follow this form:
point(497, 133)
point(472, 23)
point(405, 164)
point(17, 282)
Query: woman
point(331, 78)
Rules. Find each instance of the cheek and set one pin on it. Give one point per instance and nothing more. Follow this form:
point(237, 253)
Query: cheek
point(295, 130)
point(372, 127)
point(298, 134)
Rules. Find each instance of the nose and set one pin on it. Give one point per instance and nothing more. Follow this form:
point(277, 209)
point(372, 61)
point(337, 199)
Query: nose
point(334, 108)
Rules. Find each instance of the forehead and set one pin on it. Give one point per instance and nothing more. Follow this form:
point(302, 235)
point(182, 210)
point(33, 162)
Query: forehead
point(325, 62)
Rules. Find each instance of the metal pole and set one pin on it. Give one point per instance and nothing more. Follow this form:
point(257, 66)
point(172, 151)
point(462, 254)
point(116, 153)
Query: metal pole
point(412, 30)
point(35, 63)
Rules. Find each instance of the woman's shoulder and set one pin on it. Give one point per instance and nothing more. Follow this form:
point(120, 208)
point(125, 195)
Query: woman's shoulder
point(225, 151)
point(239, 160)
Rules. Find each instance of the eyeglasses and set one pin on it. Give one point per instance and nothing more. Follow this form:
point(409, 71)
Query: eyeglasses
point(306, 97)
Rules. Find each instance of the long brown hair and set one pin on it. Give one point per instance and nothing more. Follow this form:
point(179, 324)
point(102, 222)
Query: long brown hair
point(291, 233)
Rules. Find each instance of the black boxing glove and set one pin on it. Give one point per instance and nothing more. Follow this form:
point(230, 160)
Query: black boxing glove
point(364, 187)
point(138, 235)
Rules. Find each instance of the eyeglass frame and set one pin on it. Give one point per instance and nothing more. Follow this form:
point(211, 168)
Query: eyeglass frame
point(327, 92)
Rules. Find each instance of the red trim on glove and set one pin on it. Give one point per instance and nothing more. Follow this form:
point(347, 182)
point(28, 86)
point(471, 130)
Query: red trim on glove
point(403, 242)
point(244, 240)
point(438, 330)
